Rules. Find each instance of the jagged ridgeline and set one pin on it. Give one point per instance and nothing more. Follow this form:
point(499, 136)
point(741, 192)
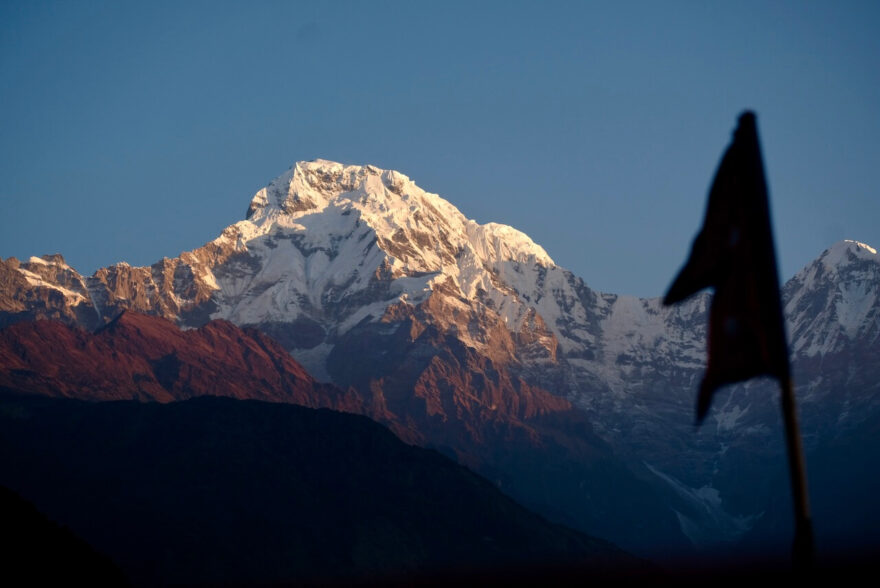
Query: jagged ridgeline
point(469, 338)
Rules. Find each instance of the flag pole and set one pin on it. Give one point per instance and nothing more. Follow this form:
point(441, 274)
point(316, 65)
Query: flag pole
point(734, 254)
point(802, 550)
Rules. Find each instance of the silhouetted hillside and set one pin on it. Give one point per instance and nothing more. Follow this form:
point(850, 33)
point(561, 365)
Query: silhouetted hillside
point(222, 490)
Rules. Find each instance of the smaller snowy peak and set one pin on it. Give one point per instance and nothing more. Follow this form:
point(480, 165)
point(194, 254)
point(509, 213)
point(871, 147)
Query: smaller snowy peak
point(845, 260)
point(834, 300)
point(847, 251)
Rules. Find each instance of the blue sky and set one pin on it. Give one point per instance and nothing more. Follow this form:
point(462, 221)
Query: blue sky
point(132, 131)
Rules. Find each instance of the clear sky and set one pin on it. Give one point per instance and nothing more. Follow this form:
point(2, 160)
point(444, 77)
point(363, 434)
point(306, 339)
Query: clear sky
point(135, 130)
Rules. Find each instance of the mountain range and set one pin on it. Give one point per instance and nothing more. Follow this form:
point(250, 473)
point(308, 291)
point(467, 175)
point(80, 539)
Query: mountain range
point(469, 339)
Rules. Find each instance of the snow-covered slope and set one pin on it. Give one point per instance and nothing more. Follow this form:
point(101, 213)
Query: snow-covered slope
point(335, 245)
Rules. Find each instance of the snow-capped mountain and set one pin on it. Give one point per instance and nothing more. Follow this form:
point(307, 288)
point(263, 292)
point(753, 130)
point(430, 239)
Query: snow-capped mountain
point(451, 328)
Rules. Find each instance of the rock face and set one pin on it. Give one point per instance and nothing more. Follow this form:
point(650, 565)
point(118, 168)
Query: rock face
point(44, 288)
point(469, 335)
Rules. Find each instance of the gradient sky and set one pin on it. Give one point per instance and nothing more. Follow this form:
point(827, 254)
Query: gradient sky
point(132, 131)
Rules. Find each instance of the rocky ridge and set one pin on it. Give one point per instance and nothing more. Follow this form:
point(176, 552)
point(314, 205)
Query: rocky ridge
point(147, 358)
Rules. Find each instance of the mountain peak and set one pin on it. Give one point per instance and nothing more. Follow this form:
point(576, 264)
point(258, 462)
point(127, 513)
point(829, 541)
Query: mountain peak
point(337, 244)
point(846, 251)
point(390, 203)
point(310, 185)
point(833, 300)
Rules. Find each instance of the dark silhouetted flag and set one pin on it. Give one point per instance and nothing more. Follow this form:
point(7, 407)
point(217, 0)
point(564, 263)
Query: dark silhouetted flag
point(734, 254)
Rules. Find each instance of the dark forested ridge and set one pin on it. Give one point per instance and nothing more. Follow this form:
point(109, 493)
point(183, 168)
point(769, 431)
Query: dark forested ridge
point(223, 490)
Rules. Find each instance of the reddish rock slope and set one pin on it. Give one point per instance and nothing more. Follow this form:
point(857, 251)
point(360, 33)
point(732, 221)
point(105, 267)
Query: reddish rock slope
point(148, 358)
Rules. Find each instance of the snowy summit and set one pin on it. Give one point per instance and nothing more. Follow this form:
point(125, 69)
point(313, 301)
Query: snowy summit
point(325, 230)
